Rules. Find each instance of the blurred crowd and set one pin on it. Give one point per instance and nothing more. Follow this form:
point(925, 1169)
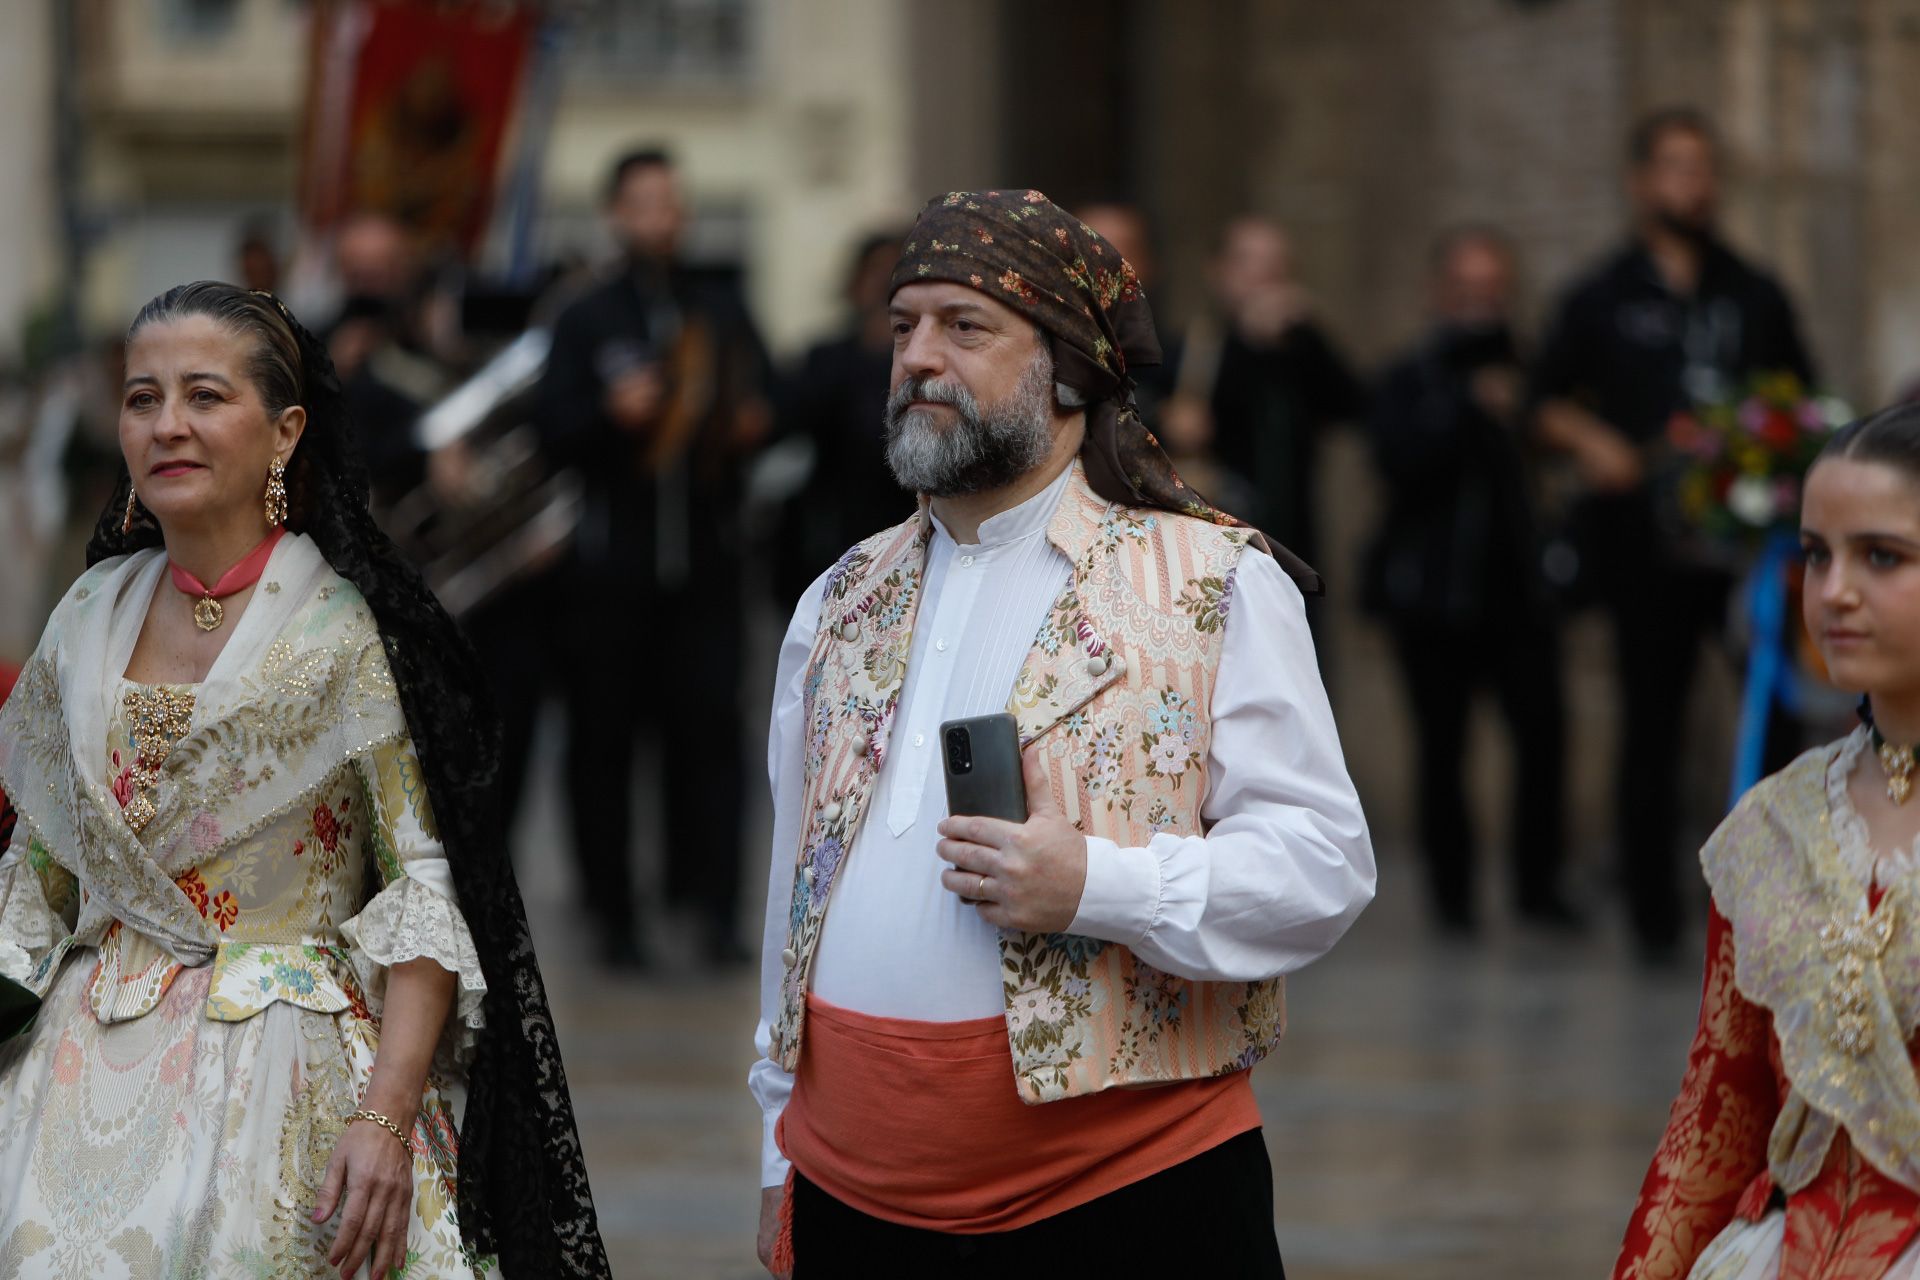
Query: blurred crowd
point(588, 462)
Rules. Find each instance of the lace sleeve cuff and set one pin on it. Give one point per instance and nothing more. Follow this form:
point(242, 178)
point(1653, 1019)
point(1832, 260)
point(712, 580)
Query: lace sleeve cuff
point(413, 919)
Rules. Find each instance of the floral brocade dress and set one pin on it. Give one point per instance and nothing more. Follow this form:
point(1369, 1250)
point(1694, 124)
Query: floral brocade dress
point(172, 1120)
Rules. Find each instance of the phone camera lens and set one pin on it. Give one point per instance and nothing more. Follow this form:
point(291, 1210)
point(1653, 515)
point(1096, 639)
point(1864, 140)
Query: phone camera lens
point(959, 751)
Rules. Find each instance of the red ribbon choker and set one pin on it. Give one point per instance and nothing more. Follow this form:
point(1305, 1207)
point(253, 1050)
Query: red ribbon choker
point(207, 611)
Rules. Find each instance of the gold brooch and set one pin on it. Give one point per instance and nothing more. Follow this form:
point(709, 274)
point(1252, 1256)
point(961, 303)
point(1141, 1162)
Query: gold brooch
point(1851, 944)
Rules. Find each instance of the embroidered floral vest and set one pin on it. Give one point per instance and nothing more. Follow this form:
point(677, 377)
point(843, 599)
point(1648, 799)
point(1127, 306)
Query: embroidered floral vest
point(1115, 691)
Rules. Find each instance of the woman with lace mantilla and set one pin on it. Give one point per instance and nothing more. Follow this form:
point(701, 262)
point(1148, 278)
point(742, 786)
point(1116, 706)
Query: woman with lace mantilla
point(291, 1022)
point(1794, 1146)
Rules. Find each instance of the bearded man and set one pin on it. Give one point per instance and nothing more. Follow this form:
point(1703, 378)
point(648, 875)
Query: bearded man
point(957, 1058)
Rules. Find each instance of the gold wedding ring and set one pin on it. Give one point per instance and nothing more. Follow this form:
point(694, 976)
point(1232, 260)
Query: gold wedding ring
point(980, 890)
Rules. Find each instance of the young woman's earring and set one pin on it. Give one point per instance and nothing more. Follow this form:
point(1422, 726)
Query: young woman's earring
point(277, 493)
point(126, 521)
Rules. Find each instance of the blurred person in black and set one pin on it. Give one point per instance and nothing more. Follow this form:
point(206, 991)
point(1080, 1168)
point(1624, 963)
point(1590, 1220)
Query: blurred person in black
point(1183, 420)
point(383, 414)
point(1270, 381)
point(1455, 571)
point(387, 373)
point(1671, 318)
point(837, 400)
point(654, 393)
point(1125, 227)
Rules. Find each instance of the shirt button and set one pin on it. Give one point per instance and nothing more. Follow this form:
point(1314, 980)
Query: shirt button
point(941, 645)
point(966, 561)
point(919, 739)
point(789, 957)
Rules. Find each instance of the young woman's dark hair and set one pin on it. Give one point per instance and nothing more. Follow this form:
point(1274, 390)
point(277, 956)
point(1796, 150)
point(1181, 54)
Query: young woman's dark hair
point(1891, 436)
point(523, 1187)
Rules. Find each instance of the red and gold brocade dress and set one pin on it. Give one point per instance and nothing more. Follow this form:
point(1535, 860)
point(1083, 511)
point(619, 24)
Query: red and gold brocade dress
point(1793, 1149)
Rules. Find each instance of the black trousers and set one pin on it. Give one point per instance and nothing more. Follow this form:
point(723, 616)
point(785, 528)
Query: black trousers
point(625, 661)
point(1657, 632)
point(694, 692)
point(1520, 661)
point(536, 639)
point(1211, 1215)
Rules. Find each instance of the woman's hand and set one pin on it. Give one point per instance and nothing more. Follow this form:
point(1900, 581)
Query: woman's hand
point(370, 1181)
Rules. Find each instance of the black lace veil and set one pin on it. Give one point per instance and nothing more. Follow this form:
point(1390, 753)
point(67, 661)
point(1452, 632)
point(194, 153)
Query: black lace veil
point(523, 1191)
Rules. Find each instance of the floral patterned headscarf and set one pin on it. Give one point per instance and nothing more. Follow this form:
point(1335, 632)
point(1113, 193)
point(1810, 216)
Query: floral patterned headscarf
point(1021, 249)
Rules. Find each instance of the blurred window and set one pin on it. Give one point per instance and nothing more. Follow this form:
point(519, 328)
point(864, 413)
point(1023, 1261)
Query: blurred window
point(676, 42)
point(184, 20)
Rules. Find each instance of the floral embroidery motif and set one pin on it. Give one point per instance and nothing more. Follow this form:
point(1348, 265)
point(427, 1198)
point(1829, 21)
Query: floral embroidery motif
point(1207, 601)
point(1011, 282)
point(1169, 738)
point(194, 887)
point(330, 825)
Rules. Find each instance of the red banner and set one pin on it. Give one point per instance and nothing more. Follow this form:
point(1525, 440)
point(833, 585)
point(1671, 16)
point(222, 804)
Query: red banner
point(408, 105)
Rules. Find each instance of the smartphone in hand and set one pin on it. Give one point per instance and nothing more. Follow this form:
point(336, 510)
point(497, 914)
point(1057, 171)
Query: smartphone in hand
point(982, 759)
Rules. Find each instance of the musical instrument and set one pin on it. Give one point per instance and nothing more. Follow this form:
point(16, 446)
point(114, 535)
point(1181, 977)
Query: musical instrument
point(493, 510)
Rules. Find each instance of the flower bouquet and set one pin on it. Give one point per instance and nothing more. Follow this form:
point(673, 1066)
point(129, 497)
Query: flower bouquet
point(1739, 464)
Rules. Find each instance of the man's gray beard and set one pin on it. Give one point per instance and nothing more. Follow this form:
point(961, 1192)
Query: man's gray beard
point(983, 449)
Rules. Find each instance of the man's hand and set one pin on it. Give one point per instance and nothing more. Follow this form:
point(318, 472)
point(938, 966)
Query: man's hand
point(1186, 424)
point(1026, 876)
point(1499, 390)
point(770, 1199)
point(1609, 463)
point(635, 398)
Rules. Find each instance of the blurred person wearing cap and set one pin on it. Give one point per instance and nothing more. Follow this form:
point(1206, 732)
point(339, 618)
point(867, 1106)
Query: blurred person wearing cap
point(1455, 570)
point(653, 394)
point(954, 1058)
point(1671, 319)
point(1259, 381)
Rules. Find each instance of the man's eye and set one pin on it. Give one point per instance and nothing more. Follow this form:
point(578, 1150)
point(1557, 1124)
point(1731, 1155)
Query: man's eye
point(965, 326)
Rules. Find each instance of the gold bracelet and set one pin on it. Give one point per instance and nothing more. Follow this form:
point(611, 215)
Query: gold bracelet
point(383, 1122)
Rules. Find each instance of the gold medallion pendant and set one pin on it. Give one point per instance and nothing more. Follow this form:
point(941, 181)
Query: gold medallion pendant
point(208, 613)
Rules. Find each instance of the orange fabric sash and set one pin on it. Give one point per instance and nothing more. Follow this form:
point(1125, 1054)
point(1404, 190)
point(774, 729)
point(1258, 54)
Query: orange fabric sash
point(921, 1124)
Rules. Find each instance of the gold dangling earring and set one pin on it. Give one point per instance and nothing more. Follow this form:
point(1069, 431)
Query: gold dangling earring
point(277, 493)
point(126, 521)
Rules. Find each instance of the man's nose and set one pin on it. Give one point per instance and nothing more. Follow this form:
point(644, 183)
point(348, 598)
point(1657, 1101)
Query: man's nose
point(921, 355)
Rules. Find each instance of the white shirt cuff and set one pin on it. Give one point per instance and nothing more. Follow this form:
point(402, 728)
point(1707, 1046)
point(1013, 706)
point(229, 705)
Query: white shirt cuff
point(1121, 899)
point(773, 1165)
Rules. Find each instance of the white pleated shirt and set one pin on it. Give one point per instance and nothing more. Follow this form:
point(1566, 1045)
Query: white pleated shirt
point(1283, 869)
